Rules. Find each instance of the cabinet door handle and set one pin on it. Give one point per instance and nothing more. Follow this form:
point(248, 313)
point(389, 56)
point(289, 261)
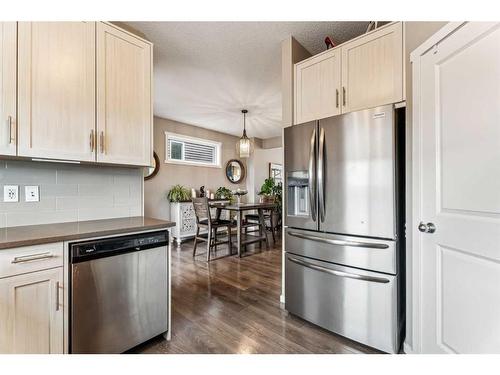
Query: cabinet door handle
point(92, 140)
point(12, 135)
point(33, 257)
point(337, 98)
point(343, 96)
point(57, 295)
point(102, 142)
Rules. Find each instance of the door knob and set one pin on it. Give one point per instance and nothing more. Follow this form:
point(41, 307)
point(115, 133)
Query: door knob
point(426, 228)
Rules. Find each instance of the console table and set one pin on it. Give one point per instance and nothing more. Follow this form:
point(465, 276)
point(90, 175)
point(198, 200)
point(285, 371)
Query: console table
point(182, 213)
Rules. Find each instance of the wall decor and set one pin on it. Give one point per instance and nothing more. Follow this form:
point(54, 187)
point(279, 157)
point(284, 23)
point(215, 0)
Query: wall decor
point(235, 171)
point(276, 172)
point(150, 172)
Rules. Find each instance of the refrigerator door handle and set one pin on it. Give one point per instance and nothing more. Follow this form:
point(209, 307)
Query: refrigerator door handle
point(330, 241)
point(321, 174)
point(312, 175)
point(348, 275)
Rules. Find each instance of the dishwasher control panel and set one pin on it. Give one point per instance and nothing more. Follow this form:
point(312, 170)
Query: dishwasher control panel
point(81, 251)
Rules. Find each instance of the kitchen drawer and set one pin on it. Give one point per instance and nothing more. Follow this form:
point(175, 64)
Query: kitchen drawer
point(366, 253)
point(30, 259)
point(360, 305)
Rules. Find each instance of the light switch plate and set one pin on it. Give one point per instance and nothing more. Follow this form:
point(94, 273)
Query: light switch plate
point(11, 193)
point(31, 194)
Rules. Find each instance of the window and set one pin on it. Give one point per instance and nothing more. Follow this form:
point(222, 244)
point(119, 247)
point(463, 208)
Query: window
point(182, 149)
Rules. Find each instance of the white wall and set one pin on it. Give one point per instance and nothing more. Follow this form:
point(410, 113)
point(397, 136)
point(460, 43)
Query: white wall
point(258, 169)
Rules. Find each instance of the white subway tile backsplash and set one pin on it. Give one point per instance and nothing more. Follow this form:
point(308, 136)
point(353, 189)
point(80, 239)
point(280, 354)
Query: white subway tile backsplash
point(70, 192)
point(14, 219)
point(62, 190)
point(103, 212)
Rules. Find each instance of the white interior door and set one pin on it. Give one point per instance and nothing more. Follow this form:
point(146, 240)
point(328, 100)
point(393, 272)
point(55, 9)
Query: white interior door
point(459, 168)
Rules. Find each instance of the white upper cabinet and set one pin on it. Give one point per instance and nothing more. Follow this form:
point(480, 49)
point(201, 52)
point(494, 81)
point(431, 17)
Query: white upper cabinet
point(372, 69)
point(8, 51)
point(56, 92)
point(317, 87)
point(124, 107)
point(363, 73)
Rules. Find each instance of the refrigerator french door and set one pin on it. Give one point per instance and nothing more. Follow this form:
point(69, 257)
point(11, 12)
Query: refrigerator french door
point(343, 209)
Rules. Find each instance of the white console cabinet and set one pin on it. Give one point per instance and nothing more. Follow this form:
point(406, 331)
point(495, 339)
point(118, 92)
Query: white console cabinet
point(182, 213)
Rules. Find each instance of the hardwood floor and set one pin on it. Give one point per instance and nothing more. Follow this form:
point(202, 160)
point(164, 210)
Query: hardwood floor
point(231, 305)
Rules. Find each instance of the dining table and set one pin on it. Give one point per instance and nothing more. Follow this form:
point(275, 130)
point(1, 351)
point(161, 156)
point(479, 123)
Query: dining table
point(243, 239)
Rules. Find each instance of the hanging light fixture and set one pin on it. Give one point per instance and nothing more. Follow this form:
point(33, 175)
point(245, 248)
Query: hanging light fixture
point(244, 145)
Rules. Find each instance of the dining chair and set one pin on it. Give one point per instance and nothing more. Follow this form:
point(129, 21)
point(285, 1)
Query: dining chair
point(204, 220)
point(254, 219)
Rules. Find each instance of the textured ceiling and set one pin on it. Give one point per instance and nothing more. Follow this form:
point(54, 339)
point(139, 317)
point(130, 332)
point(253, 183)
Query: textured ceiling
point(206, 72)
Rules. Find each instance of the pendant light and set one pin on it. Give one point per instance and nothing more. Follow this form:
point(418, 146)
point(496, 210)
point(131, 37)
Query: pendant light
point(244, 145)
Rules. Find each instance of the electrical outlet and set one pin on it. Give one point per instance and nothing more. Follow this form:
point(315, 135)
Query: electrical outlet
point(11, 193)
point(31, 194)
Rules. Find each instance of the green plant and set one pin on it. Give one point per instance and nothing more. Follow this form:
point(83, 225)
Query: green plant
point(223, 193)
point(273, 190)
point(267, 187)
point(278, 196)
point(178, 193)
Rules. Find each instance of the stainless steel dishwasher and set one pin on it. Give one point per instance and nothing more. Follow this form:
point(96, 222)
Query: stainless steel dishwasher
point(119, 292)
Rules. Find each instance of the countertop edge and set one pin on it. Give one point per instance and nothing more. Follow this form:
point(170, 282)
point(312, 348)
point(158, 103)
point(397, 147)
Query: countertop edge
point(84, 235)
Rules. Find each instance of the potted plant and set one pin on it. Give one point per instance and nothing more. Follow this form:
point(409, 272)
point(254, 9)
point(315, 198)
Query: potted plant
point(267, 190)
point(278, 196)
point(224, 193)
point(179, 193)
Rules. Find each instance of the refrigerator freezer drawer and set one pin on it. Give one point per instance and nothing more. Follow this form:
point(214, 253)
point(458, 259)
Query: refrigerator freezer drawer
point(357, 304)
point(366, 253)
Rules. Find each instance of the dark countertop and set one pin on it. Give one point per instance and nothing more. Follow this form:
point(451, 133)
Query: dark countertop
point(47, 233)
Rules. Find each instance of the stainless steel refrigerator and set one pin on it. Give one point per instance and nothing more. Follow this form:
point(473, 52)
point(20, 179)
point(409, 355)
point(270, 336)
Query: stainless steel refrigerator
point(344, 217)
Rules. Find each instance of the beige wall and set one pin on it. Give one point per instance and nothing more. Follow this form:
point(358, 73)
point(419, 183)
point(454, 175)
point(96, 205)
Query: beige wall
point(155, 202)
point(258, 169)
point(415, 34)
point(274, 142)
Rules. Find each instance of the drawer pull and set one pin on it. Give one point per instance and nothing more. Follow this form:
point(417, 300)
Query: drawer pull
point(33, 257)
point(348, 275)
point(370, 245)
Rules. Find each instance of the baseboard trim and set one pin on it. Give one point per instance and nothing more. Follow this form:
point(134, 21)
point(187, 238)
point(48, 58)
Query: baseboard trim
point(407, 348)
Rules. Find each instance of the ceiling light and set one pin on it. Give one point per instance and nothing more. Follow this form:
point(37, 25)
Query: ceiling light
point(244, 145)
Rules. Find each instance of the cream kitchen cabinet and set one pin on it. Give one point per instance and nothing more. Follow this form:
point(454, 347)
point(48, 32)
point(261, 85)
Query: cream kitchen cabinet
point(32, 298)
point(372, 69)
point(83, 93)
point(56, 90)
point(124, 107)
point(363, 73)
point(317, 86)
point(8, 51)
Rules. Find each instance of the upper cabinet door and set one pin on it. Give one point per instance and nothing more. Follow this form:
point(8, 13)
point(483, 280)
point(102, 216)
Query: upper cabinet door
point(124, 112)
point(317, 87)
point(372, 69)
point(56, 90)
point(8, 41)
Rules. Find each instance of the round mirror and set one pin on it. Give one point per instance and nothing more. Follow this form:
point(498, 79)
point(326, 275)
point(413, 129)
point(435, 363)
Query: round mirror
point(235, 171)
point(150, 172)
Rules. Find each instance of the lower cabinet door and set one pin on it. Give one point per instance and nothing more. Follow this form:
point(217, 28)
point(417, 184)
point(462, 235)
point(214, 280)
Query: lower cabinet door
point(31, 313)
